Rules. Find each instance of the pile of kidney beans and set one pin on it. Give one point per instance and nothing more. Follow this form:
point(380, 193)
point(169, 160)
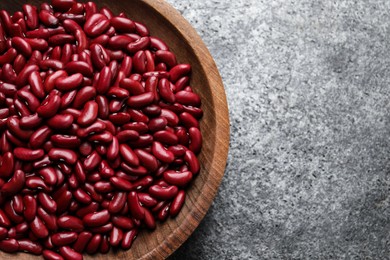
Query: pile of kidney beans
point(99, 130)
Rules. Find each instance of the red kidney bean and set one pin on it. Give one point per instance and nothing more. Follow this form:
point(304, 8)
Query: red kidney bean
point(161, 153)
point(163, 193)
point(51, 255)
point(165, 91)
point(120, 184)
point(99, 56)
point(15, 184)
point(69, 83)
point(96, 25)
point(49, 175)
point(128, 155)
point(17, 204)
point(158, 44)
point(8, 57)
point(60, 122)
point(58, 154)
point(82, 241)
point(89, 113)
point(188, 98)
point(22, 46)
point(64, 238)
point(7, 165)
point(30, 246)
point(117, 203)
point(36, 84)
point(139, 45)
point(165, 137)
point(119, 42)
point(19, 63)
point(103, 84)
point(141, 100)
point(149, 221)
point(178, 178)
point(79, 67)
point(4, 220)
point(47, 202)
point(38, 228)
point(133, 86)
point(146, 200)
point(24, 75)
point(31, 14)
point(9, 245)
point(96, 127)
point(157, 124)
point(116, 236)
point(70, 223)
point(48, 19)
point(128, 239)
point(196, 140)
point(113, 149)
point(146, 159)
point(39, 137)
point(67, 99)
point(50, 106)
point(127, 135)
point(103, 110)
point(96, 219)
point(31, 207)
point(26, 154)
point(166, 57)
point(136, 210)
point(69, 254)
point(93, 244)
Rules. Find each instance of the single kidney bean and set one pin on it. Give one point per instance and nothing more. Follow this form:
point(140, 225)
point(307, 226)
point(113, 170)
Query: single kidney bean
point(30, 207)
point(30, 246)
point(104, 82)
point(58, 154)
point(49, 175)
point(69, 254)
point(161, 153)
point(4, 220)
point(70, 223)
point(178, 178)
point(29, 122)
point(50, 106)
point(9, 245)
point(79, 67)
point(15, 184)
point(163, 193)
point(38, 228)
point(7, 165)
point(96, 25)
point(117, 203)
point(64, 238)
point(69, 83)
point(51, 255)
point(96, 219)
point(60, 122)
point(47, 202)
point(89, 113)
point(146, 200)
point(136, 210)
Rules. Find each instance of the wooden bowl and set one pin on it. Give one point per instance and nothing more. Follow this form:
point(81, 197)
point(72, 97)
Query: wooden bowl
point(165, 22)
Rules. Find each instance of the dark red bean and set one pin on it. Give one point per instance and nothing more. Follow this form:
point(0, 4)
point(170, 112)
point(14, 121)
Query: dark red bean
point(38, 228)
point(136, 210)
point(89, 113)
point(79, 67)
point(69, 254)
point(51, 255)
point(161, 153)
point(158, 44)
point(15, 184)
point(7, 165)
point(58, 154)
point(69, 83)
point(96, 219)
point(163, 193)
point(9, 245)
point(64, 238)
point(96, 25)
point(60, 122)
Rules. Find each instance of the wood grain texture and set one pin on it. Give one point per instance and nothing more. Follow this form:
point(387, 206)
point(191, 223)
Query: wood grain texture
point(165, 22)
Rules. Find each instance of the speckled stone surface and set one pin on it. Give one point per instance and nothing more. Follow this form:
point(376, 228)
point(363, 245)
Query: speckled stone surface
point(308, 86)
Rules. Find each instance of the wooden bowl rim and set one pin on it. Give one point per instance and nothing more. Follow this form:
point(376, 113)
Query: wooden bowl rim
point(196, 214)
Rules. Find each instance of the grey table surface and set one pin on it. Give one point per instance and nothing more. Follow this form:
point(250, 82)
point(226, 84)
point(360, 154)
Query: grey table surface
point(308, 87)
